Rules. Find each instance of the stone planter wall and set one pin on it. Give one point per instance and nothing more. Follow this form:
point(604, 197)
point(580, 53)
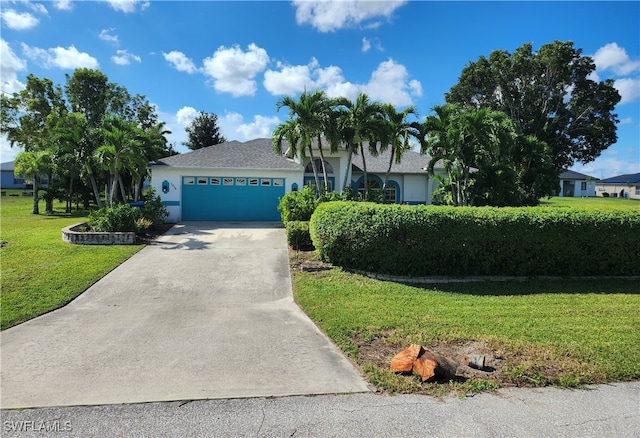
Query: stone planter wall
point(72, 235)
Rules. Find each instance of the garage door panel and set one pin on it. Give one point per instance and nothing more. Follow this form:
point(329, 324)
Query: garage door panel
point(231, 199)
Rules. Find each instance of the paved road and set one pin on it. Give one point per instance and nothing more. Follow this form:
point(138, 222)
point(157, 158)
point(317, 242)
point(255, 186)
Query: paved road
point(207, 312)
point(604, 411)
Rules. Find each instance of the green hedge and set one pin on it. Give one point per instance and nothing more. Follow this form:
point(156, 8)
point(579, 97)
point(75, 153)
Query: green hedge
point(430, 240)
point(298, 234)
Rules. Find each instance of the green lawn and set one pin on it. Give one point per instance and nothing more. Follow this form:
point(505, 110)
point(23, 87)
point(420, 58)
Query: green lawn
point(599, 203)
point(40, 272)
point(562, 332)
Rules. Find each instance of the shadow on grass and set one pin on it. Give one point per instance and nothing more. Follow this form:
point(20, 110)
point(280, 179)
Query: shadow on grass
point(600, 285)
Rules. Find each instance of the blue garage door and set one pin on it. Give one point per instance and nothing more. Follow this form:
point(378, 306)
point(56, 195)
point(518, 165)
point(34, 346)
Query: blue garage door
point(206, 198)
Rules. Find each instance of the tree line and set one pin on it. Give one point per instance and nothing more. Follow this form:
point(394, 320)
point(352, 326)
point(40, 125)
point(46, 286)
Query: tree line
point(508, 128)
point(92, 135)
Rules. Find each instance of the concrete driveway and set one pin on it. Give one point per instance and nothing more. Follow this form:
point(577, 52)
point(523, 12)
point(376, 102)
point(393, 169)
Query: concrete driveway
point(206, 312)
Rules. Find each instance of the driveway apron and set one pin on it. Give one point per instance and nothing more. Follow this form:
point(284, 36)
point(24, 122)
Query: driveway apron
point(205, 312)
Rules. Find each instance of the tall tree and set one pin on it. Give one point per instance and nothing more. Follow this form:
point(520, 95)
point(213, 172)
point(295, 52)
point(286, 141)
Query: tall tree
point(308, 119)
point(549, 95)
point(400, 132)
point(360, 122)
point(203, 131)
point(88, 92)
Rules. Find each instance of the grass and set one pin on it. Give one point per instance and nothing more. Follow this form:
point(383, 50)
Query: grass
point(565, 332)
point(598, 202)
point(561, 332)
point(40, 272)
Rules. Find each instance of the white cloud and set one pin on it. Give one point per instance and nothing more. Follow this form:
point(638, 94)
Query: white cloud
point(629, 89)
point(127, 6)
point(105, 35)
point(185, 116)
point(233, 127)
point(613, 57)
point(626, 121)
point(19, 20)
point(390, 82)
point(59, 57)
point(180, 62)
point(37, 7)
point(328, 16)
point(234, 70)
point(367, 44)
point(123, 57)
point(7, 153)
point(10, 65)
point(63, 5)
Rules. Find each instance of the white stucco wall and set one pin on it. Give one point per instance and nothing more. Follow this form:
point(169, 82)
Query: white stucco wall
point(173, 199)
point(415, 189)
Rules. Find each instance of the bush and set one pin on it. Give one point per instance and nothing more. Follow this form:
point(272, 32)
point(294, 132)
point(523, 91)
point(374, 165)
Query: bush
point(427, 240)
point(121, 218)
point(605, 194)
point(298, 234)
point(298, 205)
point(153, 209)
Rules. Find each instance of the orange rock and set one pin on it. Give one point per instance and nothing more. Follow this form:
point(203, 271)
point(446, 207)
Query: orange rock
point(403, 361)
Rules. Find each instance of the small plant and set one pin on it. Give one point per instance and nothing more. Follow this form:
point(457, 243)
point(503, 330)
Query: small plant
point(143, 223)
point(153, 209)
point(121, 218)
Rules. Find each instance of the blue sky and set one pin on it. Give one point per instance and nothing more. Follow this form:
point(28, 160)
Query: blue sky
point(237, 58)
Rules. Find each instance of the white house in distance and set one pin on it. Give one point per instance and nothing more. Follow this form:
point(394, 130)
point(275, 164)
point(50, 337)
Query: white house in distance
point(243, 181)
point(577, 185)
point(620, 186)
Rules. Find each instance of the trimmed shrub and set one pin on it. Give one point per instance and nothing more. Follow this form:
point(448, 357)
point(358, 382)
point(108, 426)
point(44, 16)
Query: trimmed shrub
point(298, 205)
point(298, 234)
point(429, 240)
point(121, 218)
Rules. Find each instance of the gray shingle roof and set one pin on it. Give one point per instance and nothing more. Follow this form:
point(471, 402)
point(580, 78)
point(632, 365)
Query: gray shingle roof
point(253, 154)
point(631, 178)
point(412, 162)
point(571, 174)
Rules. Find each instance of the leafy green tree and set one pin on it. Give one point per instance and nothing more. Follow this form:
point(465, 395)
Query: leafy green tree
point(203, 131)
point(119, 152)
point(309, 117)
point(400, 133)
point(548, 94)
point(359, 122)
point(32, 164)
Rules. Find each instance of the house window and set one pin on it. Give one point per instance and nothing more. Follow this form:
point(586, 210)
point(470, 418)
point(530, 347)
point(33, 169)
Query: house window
point(215, 181)
point(583, 186)
point(637, 190)
point(278, 182)
point(390, 192)
point(253, 181)
point(318, 163)
point(311, 182)
point(189, 180)
point(227, 181)
point(265, 182)
point(202, 181)
point(241, 181)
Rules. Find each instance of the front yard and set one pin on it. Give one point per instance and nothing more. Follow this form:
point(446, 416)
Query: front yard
point(40, 272)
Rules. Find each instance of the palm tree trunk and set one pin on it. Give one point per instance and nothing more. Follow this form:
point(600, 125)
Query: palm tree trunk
point(386, 177)
point(122, 190)
point(364, 169)
point(324, 170)
point(94, 185)
point(69, 194)
point(315, 170)
point(49, 200)
point(36, 184)
point(348, 168)
point(114, 187)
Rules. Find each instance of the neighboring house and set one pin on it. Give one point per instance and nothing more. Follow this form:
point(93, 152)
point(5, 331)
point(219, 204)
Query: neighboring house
point(9, 179)
point(577, 185)
point(621, 186)
point(237, 181)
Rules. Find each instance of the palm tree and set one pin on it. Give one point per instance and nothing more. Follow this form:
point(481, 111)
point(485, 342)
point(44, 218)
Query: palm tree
point(120, 151)
point(308, 119)
point(33, 164)
point(359, 122)
point(400, 132)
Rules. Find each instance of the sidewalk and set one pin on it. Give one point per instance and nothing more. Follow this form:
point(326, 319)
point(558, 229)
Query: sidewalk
point(602, 411)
